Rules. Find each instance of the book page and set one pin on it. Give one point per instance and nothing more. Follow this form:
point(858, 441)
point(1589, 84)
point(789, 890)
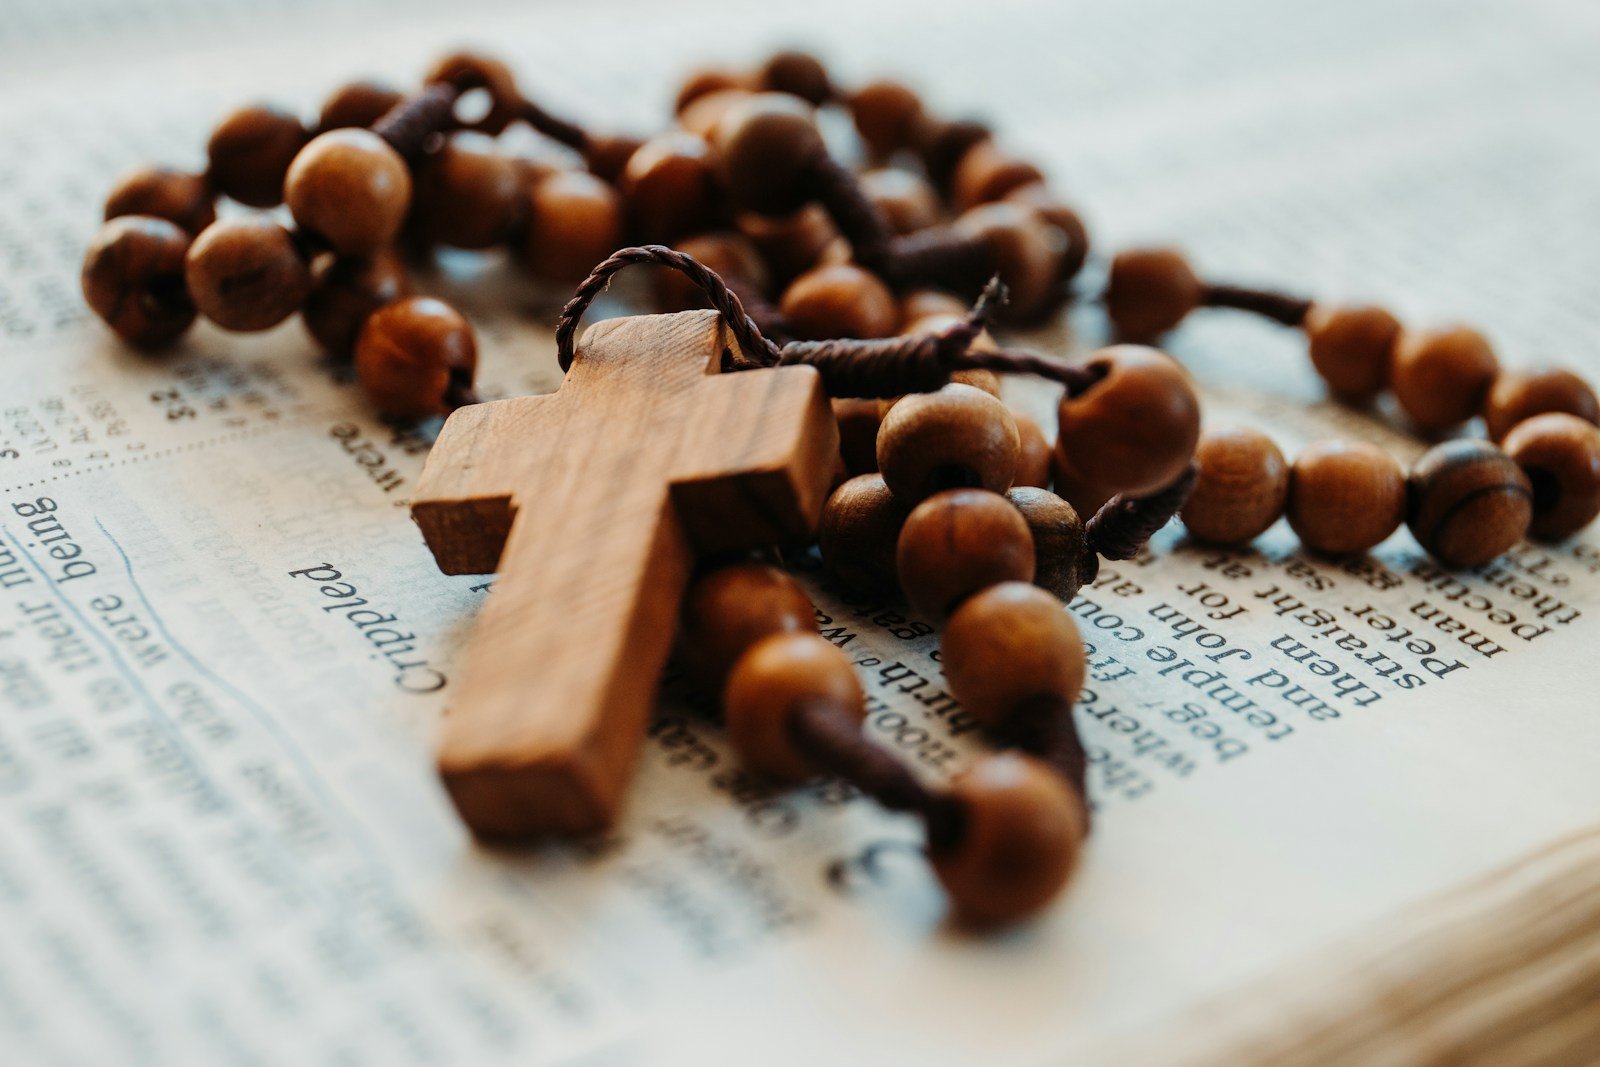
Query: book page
point(222, 837)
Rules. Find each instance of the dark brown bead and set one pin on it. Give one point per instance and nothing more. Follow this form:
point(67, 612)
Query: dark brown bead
point(731, 255)
point(1242, 488)
point(799, 73)
point(183, 199)
point(1467, 502)
point(1062, 561)
point(574, 221)
point(348, 290)
point(1008, 644)
point(357, 104)
point(468, 193)
point(1033, 455)
point(702, 117)
point(351, 189)
point(1560, 454)
point(1345, 497)
point(858, 433)
point(247, 273)
point(766, 144)
point(987, 173)
point(906, 200)
point(943, 144)
point(250, 151)
point(1018, 841)
point(133, 279)
point(1149, 292)
point(1054, 211)
point(703, 83)
point(772, 681)
point(731, 608)
point(842, 300)
point(793, 244)
point(1027, 254)
point(607, 154)
point(888, 116)
point(957, 542)
point(413, 355)
point(1132, 431)
point(1518, 395)
point(1352, 347)
point(469, 71)
point(955, 436)
point(859, 533)
point(670, 186)
point(1441, 377)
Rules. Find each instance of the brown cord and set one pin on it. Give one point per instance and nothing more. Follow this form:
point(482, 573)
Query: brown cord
point(835, 187)
point(1279, 307)
point(413, 122)
point(1043, 726)
point(1124, 523)
point(557, 129)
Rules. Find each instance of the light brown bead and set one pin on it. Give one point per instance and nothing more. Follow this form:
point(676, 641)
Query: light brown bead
point(1062, 562)
point(858, 433)
point(1345, 497)
point(357, 104)
point(1134, 430)
point(1560, 454)
point(887, 115)
point(1467, 502)
point(574, 221)
point(1149, 292)
point(250, 151)
point(702, 83)
point(769, 683)
point(765, 146)
point(413, 354)
point(841, 300)
point(1021, 830)
point(859, 533)
point(468, 193)
point(793, 244)
point(731, 255)
point(920, 304)
point(1441, 377)
point(133, 279)
point(798, 73)
point(1242, 488)
point(729, 609)
point(955, 436)
point(702, 117)
point(906, 200)
point(1008, 644)
point(1518, 395)
point(670, 186)
point(351, 189)
point(1352, 348)
point(348, 290)
point(1026, 252)
point(470, 71)
point(1054, 211)
point(1033, 454)
point(957, 542)
point(247, 273)
point(183, 199)
point(987, 173)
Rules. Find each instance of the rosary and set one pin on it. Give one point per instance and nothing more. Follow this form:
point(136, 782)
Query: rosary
point(824, 371)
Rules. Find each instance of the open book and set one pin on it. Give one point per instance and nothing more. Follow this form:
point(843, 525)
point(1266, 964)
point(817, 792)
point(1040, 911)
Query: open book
point(1345, 811)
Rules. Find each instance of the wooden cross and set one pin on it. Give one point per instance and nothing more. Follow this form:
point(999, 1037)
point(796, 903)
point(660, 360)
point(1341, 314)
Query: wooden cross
point(591, 502)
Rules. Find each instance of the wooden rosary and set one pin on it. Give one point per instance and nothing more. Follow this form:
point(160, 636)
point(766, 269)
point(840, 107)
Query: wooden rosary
point(840, 388)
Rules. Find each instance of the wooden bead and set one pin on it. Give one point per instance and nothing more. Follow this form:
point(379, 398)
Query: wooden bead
point(943, 144)
point(765, 146)
point(1054, 211)
point(957, 542)
point(1033, 453)
point(858, 433)
point(703, 83)
point(1026, 251)
point(702, 117)
point(1018, 841)
point(769, 684)
point(1132, 431)
point(1242, 488)
point(987, 173)
point(347, 291)
point(887, 115)
point(1008, 644)
point(731, 255)
point(792, 244)
point(731, 608)
point(607, 155)
point(1352, 348)
point(955, 436)
point(574, 220)
point(357, 105)
point(920, 304)
point(351, 189)
point(467, 193)
point(859, 533)
point(1560, 453)
point(133, 279)
point(1467, 502)
point(1345, 497)
point(906, 200)
point(1062, 562)
point(470, 72)
point(1441, 378)
point(670, 186)
point(1149, 292)
point(797, 73)
point(247, 273)
point(1519, 395)
point(250, 151)
point(841, 300)
point(412, 354)
point(181, 198)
